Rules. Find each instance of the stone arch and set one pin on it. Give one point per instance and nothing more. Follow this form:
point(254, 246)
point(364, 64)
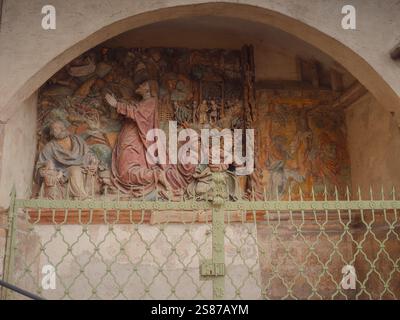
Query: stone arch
point(353, 62)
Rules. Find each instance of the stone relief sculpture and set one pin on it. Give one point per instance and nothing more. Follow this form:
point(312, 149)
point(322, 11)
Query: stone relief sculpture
point(94, 113)
point(105, 146)
point(92, 180)
point(214, 111)
point(52, 181)
point(132, 173)
point(202, 113)
point(183, 114)
point(69, 155)
point(201, 186)
point(303, 146)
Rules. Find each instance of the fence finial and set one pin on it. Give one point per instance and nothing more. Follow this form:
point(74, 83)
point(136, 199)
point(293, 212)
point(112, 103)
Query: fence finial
point(348, 195)
point(325, 193)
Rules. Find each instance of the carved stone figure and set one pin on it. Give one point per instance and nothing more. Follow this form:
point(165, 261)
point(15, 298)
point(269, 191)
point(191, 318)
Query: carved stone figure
point(202, 112)
point(106, 184)
point(132, 173)
point(214, 112)
point(201, 188)
point(233, 118)
point(182, 114)
point(70, 155)
point(92, 184)
point(194, 111)
point(52, 180)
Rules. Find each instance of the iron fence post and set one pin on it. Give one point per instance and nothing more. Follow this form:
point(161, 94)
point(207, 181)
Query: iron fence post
point(218, 234)
point(10, 245)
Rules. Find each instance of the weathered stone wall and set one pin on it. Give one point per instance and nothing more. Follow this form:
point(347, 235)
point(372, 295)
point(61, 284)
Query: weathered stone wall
point(18, 151)
point(30, 55)
point(17, 145)
point(374, 147)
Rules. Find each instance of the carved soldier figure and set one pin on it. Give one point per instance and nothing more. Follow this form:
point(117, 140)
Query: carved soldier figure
point(182, 114)
point(214, 112)
point(202, 112)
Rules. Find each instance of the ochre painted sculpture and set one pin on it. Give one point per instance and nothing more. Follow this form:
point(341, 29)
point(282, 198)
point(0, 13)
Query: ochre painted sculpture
point(132, 173)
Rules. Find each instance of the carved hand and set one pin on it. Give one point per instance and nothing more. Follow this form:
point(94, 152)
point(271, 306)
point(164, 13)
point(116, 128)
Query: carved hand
point(111, 100)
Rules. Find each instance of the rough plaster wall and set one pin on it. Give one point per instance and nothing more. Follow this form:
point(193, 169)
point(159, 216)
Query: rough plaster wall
point(26, 48)
point(374, 145)
point(18, 151)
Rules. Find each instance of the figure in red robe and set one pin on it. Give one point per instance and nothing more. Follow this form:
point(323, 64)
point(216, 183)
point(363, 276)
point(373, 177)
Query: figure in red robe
point(131, 171)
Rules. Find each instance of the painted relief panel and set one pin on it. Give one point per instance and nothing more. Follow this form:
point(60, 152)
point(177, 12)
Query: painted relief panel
point(92, 99)
point(302, 143)
point(95, 112)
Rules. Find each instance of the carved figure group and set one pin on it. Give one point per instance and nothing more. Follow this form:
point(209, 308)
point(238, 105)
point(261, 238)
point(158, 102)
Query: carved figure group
point(100, 107)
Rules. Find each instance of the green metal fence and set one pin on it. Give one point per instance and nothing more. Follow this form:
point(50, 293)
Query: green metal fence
point(247, 249)
point(3, 230)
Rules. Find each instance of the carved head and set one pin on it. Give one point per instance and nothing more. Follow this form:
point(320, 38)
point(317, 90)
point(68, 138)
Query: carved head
point(58, 130)
point(147, 88)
